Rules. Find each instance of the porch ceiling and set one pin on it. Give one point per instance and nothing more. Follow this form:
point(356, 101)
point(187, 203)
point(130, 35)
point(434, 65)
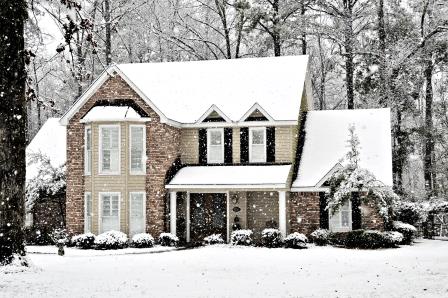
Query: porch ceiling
point(231, 177)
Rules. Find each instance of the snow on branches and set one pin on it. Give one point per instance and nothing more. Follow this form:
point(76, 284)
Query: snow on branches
point(352, 178)
point(50, 182)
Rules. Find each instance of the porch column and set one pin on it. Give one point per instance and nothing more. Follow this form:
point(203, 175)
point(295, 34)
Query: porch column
point(188, 217)
point(282, 212)
point(173, 212)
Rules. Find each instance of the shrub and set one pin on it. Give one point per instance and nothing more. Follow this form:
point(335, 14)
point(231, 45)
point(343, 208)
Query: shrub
point(213, 239)
point(168, 239)
point(142, 240)
point(111, 240)
point(409, 231)
point(393, 238)
point(337, 238)
point(320, 237)
point(241, 237)
point(271, 238)
point(84, 241)
point(296, 240)
point(38, 236)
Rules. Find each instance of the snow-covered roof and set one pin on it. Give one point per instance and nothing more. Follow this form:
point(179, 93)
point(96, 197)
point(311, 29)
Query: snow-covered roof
point(51, 142)
point(181, 92)
point(231, 177)
point(112, 113)
point(326, 136)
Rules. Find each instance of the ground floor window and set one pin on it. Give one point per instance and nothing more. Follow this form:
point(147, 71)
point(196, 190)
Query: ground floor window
point(137, 213)
point(341, 221)
point(109, 212)
point(87, 212)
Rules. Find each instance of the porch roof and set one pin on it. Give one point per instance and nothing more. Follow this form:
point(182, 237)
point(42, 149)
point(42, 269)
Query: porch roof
point(231, 177)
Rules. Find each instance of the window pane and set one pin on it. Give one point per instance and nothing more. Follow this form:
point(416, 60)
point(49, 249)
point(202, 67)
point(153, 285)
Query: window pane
point(88, 138)
point(345, 219)
point(105, 206)
point(114, 209)
point(215, 154)
point(137, 219)
point(114, 137)
point(257, 136)
point(215, 138)
point(106, 160)
point(105, 137)
point(137, 142)
point(114, 159)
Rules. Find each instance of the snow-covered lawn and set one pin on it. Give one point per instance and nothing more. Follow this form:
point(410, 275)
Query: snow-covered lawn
point(420, 270)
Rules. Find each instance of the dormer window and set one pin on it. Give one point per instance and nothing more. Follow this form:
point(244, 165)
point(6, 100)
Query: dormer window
point(257, 144)
point(215, 145)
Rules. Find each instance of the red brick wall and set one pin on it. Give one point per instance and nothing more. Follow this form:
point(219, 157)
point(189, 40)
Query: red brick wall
point(162, 150)
point(306, 206)
point(370, 218)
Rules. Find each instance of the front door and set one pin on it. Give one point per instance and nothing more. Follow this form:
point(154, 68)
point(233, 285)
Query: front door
point(208, 215)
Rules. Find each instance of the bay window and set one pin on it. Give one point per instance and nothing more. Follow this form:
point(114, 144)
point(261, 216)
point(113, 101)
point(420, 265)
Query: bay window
point(137, 149)
point(109, 149)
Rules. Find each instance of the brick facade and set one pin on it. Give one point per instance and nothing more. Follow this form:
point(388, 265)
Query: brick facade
point(162, 149)
point(305, 205)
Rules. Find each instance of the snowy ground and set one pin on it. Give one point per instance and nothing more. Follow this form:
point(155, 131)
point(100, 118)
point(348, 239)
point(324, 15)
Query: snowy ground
point(420, 270)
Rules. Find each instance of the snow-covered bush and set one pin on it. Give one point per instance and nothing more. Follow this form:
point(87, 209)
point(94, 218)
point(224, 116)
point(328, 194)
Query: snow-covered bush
point(142, 240)
point(213, 239)
point(241, 237)
point(60, 237)
point(409, 231)
point(320, 237)
point(271, 238)
point(84, 241)
point(111, 240)
point(393, 238)
point(296, 240)
point(168, 239)
point(409, 212)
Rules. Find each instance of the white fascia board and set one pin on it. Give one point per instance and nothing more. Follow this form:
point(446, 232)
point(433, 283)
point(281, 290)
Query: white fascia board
point(143, 119)
point(256, 106)
point(240, 124)
point(330, 173)
point(228, 186)
point(310, 189)
point(213, 108)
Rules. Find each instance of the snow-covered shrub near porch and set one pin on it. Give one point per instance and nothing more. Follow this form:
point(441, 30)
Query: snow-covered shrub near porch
point(320, 237)
point(213, 239)
point(409, 231)
point(111, 240)
point(142, 240)
point(271, 238)
point(84, 241)
point(393, 238)
point(296, 240)
point(241, 237)
point(168, 239)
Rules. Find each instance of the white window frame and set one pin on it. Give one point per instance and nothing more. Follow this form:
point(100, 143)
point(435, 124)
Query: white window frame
point(143, 171)
point(341, 228)
point(209, 131)
point(144, 209)
point(100, 151)
point(251, 129)
point(100, 212)
point(88, 169)
point(85, 212)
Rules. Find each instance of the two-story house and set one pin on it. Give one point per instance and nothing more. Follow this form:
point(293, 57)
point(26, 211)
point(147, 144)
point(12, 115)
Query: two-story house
point(197, 148)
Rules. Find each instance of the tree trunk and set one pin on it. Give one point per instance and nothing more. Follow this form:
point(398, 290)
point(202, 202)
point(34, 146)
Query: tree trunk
point(13, 119)
point(348, 45)
point(429, 172)
point(108, 48)
point(275, 31)
point(302, 15)
point(383, 99)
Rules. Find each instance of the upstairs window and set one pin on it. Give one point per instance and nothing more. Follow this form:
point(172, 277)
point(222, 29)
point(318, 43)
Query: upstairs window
point(257, 144)
point(137, 149)
point(110, 149)
point(341, 220)
point(215, 145)
point(88, 151)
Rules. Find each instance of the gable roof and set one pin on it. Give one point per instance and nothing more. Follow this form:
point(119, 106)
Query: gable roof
point(180, 92)
point(326, 136)
point(50, 140)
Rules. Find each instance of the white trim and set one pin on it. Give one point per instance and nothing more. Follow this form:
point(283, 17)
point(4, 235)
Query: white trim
point(221, 130)
point(240, 124)
point(310, 189)
point(89, 172)
point(228, 215)
point(85, 211)
point(100, 154)
point(144, 209)
point(173, 212)
point(100, 212)
point(205, 187)
point(213, 108)
point(256, 106)
point(282, 212)
point(330, 173)
point(251, 129)
point(339, 213)
point(188, 219)
point(143, 171)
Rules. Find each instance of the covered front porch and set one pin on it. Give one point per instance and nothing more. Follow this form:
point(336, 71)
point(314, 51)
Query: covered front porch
point(221, 199)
